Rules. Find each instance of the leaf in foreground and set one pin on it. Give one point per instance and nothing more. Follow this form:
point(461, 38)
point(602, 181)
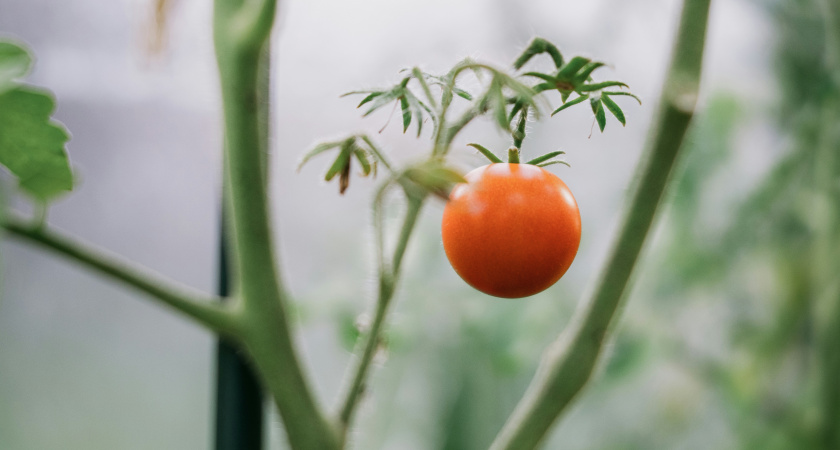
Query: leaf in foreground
point(32, 145)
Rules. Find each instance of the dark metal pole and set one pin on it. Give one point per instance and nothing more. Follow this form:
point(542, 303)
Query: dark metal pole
point(239, 402)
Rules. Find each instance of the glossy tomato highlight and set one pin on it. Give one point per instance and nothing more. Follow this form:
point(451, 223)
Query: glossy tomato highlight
point(512, 230)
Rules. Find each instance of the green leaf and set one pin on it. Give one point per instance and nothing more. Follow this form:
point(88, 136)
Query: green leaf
point(32, 145)
point(572, 67)
point(587, 70)
point(536, 47)
point(463, 94)
point(487, 153)
point(340, 164)
point(541, 76)
point(382, 100)
point(622, 93)
point(498, 104)
point(406, 113)
point(598, 109)
point(14, 64)
point(545, 157)
point(570, 104)
point(320, 148)
point(614, 109)
point(370, 97)
point(599, 86)
point(362, 157)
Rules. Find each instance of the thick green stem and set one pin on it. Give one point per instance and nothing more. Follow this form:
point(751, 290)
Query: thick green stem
point(241, 32)
point(388, 277)
point(203, 309)
point(569, 362)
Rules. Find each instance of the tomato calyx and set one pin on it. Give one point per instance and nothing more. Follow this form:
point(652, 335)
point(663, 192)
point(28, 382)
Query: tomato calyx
point(514, 156)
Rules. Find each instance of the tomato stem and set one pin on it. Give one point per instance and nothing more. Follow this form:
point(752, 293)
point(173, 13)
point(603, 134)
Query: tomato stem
point(513, 155)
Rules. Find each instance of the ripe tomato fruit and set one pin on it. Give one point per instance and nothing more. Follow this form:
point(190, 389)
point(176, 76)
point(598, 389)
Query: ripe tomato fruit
point(512, 230)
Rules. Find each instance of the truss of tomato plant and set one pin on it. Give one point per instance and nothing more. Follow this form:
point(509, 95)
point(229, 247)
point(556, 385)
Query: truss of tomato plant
point(256, 317)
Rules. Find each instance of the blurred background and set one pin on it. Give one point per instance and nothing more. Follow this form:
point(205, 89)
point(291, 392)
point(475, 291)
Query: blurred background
point(726, 340)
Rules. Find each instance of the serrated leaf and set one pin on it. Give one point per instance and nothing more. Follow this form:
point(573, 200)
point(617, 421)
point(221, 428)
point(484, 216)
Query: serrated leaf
point(487, 153)
point(320, 148)
point(406, 113)
point(546, 157)
point(32, 145)
point(15, 62)
point(572, 67)
point(599, 86)
point(622, 93)
point(600, 116)
point(614, 109)
point(570, 104)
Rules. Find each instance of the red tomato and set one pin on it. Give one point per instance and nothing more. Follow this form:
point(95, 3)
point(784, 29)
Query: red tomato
point(512, 230)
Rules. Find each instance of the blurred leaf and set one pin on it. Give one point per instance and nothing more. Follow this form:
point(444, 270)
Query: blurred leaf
point(487, 153)
point(32, 145)
point(545, 157)
point(15, 62)
point(406, 113)
point(599, 86)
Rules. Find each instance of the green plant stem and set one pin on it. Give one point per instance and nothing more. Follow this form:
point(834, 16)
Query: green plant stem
point(366, 350)
point(241, 32)
point(568, 363)
point(203, 309)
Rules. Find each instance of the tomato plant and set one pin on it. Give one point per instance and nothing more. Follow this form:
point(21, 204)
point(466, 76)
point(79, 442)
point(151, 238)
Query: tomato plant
point(512, 230)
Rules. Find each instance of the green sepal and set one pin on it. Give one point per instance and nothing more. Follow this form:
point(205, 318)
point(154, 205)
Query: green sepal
point(536, 47)
point(599, 86)
point(406, 113)
point(320, 148)
point(550, 163)
point(487, 153)
point(587, 70)
point(622, 93)
point(614, 109)
point(572, 67)
point(598, 109)
point(341, 162)
point(570, 104)
point(362, 157)
point(546, 157)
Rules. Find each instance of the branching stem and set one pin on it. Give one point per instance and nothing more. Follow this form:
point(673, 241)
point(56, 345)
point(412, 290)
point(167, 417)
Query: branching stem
point(204, 309)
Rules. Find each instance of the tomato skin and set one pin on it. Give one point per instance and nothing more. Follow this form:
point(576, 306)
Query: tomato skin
point(512, 230)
